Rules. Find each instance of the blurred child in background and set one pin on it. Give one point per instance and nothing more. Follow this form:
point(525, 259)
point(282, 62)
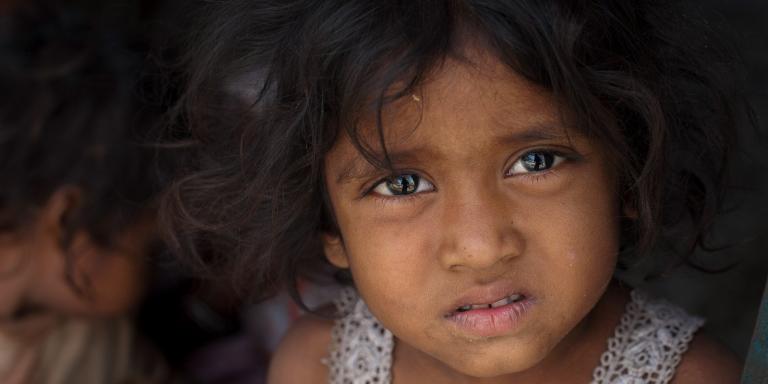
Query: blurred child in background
point(76, 204)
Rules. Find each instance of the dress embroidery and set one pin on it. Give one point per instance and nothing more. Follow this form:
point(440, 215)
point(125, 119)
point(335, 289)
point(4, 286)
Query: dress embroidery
point(361, 350)
point(646, 347)
point(648, 344)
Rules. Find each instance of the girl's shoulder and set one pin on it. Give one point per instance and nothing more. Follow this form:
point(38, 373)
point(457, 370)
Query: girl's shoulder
point(708, 361)
point(346, 341)
point(300, 355)
point(657, 341)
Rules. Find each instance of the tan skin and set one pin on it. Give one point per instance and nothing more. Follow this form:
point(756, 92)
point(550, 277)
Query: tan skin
point(33, 261)
point(477, 218)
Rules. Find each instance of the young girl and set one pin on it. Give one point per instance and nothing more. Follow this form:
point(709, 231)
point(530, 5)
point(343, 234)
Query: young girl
point(472, 170)
point(76, 225)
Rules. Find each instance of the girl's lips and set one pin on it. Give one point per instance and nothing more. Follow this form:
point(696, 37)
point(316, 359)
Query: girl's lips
point(490, 322)
point(480, 295)
point(490, 310)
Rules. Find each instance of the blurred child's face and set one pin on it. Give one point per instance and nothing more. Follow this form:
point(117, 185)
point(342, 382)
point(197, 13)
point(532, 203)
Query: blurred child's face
point(35, 262)
point(493, 205)
point(112, 278)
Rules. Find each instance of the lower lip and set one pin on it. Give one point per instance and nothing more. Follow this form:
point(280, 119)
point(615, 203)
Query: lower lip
point(490, 322)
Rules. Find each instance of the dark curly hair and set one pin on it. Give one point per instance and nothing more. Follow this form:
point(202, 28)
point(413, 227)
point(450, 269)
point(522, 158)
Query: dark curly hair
point(268, 86)
point(70, 116)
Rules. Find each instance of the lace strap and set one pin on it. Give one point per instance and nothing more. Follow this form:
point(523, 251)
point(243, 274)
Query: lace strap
point(648, 343)
point(361, 349)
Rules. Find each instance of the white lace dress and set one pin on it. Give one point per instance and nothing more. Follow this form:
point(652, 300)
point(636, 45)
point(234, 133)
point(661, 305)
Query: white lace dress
point(645, 349)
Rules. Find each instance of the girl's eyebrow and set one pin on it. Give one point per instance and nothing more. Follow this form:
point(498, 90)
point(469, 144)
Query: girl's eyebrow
point(359, 168)
point(534, 133)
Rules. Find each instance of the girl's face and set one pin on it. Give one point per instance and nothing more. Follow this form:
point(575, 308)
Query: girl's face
point(494, 203)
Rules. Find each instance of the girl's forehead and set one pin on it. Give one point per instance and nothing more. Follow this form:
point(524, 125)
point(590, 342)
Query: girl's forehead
point(461, 111)
point(478, 92)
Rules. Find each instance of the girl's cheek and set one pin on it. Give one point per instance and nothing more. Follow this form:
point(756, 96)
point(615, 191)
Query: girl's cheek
point(570, 258)
point(390, 247)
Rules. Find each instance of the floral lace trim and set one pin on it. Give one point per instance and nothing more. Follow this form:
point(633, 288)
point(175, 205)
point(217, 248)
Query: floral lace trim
point(648, 344)
point(361, 349)
point(646, 347)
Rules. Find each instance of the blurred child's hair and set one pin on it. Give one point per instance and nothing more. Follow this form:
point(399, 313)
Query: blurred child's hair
point(70, 117)
point(270, 86)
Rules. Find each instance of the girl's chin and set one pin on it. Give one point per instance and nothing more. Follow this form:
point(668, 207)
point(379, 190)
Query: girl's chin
point(484, 369)
point(492, 360)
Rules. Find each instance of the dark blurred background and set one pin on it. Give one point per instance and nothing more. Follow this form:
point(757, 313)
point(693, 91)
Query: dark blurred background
point(729, 300)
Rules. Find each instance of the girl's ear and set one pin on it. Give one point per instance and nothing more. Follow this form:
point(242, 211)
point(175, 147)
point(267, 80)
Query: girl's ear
point(334, 250)
point(62, 203)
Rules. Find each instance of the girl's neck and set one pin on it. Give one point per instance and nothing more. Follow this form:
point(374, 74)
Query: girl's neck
point(573, 360)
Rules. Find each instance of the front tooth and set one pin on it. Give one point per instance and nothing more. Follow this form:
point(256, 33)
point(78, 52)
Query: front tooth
point(501, 302)
point(506, 301)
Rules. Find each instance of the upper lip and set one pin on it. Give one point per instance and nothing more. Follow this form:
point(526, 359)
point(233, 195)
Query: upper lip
point(486, 294)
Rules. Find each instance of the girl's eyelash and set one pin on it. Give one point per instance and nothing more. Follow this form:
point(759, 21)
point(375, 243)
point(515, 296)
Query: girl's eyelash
point(389, 200)
point(530, 177)
point(536, 176)
point(385, 201)
point(369, 190)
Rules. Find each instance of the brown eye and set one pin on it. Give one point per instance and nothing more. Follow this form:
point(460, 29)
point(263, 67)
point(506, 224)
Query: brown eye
point(403, 184)
point(535, 161)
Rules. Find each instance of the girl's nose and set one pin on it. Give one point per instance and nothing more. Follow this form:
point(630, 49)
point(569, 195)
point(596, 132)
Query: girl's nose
point(477, 231)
